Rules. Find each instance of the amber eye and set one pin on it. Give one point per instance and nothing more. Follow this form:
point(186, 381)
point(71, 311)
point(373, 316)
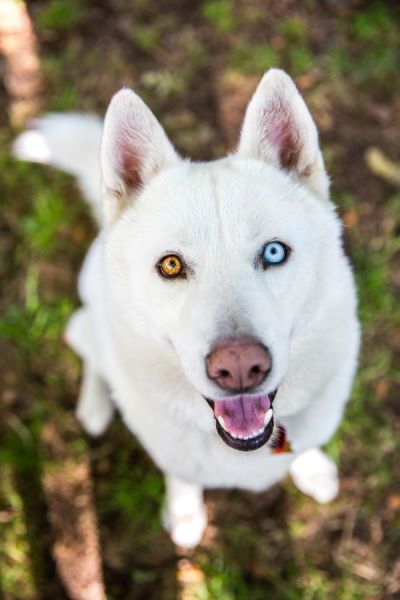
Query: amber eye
point(171, 266)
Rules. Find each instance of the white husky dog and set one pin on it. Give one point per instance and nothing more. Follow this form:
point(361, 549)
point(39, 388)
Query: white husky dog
point(219, 310)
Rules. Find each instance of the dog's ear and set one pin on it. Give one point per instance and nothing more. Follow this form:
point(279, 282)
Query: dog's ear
point(134, 148)
point(278, 128)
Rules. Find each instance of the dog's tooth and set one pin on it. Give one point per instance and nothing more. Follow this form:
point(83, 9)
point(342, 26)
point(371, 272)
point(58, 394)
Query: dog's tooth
point(268, 416)
point(221, 421)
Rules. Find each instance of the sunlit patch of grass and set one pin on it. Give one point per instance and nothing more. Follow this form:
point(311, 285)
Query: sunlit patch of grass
point(138, 496)
point(314, 584)
point(377, 64)
point(16, 579)
point(196, 52)
point(369, 50)
point(43, 225)
point(366, 436)
point(317, 585)
point(345, 200)
point(220, 14)
point(294, 30)
point(135, 491)
point(372, 274)
point(146, 37)
point(67, 92)
point(393, 206)
point(373, 24)
point(61, 15)
point(376, 45)
point(298, 55)
point(338, 62)
point(64, 99)
point(35, 323)
point(225, 582)
point(163, 83)
point(300, 59)
point(253, 59)
point(16, 176)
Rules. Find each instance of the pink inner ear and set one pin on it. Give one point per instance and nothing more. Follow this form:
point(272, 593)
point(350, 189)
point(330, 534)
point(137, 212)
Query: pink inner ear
point(280, 130)
point(129, 161)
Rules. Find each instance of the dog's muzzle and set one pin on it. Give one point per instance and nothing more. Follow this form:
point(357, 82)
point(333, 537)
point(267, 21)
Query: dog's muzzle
point(244, 422)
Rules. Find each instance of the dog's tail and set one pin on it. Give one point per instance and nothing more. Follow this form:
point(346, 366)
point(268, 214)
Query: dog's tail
point(70, 142)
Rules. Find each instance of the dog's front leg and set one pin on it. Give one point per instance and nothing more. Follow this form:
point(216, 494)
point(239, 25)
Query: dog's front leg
point(185, 514)
point(95, 409)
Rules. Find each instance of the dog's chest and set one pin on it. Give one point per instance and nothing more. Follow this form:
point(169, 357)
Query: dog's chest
point(198, 456)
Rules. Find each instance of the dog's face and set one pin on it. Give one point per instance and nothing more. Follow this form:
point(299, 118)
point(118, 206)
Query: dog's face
point(222, 261)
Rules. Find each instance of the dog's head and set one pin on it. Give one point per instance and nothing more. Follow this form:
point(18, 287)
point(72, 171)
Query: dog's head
point(223, 262)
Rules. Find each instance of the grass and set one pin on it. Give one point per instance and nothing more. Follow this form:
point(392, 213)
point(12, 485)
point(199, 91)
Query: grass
point(370, 25)
point(146, 37)
point(43, 226)
point(137, 494)
point(220, 14)
point(250, 58)
point(16, 574)
point(294, 30)
point(60, 15)
point(289, 548)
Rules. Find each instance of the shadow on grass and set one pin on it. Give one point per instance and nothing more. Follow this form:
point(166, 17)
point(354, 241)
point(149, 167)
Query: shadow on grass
point(28, 484)
point(236, 560)
point(138, 557)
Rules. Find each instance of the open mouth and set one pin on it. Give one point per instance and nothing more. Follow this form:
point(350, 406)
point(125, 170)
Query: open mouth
point(244, 422)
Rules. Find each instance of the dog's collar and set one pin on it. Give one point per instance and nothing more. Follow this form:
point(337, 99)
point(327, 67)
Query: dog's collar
point(281, 444)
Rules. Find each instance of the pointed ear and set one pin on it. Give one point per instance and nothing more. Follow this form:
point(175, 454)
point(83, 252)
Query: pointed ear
point(278, 128)
point(134, 148)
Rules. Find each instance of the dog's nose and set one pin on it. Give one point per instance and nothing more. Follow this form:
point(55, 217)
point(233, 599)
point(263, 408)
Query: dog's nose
point(238, 364)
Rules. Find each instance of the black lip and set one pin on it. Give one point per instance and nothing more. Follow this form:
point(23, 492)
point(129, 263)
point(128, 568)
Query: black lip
point(250, 444)
point(246, 445)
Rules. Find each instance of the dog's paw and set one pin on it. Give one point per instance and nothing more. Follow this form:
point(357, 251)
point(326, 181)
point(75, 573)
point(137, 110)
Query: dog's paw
point(186, 530)
point(316, 475)
point(95, 420)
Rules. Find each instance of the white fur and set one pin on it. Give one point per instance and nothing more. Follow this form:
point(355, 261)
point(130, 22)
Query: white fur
point(315, 474)
point(145, 338)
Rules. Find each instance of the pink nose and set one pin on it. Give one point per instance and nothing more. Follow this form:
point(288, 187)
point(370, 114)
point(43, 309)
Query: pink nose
point(238, 364)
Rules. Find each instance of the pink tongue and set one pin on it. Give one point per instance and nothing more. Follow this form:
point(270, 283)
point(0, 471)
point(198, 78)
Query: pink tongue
point(243, 414)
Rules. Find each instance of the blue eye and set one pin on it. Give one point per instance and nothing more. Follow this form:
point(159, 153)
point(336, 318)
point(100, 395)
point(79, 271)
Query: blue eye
point(274, 253)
